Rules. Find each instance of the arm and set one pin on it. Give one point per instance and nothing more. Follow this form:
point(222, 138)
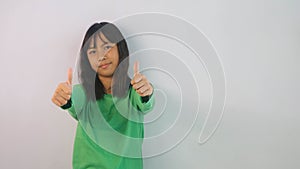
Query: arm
point(76, 103)
point(141, 103)
point(62, 95)
point(69, 106)
point(142, 91)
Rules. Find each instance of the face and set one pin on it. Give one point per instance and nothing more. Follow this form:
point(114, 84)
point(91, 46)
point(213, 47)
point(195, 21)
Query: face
point(104, 56)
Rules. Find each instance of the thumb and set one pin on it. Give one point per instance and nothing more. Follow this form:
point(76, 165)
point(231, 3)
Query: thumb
point(70, 76)
point(136, 68)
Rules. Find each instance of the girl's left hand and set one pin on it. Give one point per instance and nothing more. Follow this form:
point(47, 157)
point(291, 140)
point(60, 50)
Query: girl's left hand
point(140, 83)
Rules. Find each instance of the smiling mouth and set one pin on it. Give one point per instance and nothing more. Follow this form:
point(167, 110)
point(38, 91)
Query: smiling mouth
point(104, 66)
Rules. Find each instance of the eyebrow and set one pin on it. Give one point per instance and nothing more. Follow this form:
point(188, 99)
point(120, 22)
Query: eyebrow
point(104, 43)
point(93, 47)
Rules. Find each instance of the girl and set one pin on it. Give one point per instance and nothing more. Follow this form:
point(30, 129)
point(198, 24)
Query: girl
point(108, 105)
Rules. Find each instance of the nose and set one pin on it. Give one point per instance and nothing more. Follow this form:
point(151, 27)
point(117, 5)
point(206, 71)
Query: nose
point(102, 57)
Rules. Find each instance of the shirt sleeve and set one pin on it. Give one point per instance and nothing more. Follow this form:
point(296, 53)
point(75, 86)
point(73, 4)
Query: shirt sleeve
point(69, 106)
point(75, 104)
point(142, 104)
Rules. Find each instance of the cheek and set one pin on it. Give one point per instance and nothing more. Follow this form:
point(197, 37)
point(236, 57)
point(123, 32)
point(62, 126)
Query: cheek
point(115, 55)
point(117, 58)
point(93, 63)
point(116, 61)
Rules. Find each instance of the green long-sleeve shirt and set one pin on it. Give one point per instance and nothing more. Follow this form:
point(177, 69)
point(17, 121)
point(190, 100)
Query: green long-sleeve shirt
point(110, 131)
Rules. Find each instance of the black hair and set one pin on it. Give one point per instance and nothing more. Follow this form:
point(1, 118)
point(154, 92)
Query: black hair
point(88, 77)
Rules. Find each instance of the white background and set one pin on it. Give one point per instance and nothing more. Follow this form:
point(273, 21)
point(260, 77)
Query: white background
point(258, 44)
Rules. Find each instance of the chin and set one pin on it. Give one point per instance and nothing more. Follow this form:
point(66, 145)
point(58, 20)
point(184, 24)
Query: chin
point(105, 74)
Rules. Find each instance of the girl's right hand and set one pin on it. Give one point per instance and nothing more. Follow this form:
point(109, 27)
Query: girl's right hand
point(63, 91)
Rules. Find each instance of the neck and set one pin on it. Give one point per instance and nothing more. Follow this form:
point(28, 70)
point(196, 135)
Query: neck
point(107, 82)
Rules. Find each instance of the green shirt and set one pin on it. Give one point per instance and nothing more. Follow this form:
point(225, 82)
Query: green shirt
point(110, 131)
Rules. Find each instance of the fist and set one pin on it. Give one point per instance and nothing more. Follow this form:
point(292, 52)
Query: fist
point(63, 91)
point(140, 83)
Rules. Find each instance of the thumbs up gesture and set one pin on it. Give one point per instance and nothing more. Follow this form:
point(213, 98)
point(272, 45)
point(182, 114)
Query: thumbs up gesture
point(140, 83)
point(63, 91)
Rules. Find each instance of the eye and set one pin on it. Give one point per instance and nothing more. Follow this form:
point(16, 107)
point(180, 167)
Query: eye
point(91, 52)
point(107, 47)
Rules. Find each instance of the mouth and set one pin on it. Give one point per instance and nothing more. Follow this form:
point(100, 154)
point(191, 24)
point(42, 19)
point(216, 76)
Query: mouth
point(105, 65)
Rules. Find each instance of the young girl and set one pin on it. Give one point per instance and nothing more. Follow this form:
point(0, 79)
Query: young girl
point(108, 105)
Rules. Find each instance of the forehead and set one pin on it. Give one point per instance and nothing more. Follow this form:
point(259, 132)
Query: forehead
point(98, 39)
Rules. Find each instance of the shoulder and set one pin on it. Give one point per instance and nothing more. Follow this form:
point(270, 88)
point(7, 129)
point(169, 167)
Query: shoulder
point(78, 93)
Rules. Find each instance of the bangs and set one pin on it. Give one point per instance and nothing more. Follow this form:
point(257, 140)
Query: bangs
point(112, 33)
point(92, 41)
